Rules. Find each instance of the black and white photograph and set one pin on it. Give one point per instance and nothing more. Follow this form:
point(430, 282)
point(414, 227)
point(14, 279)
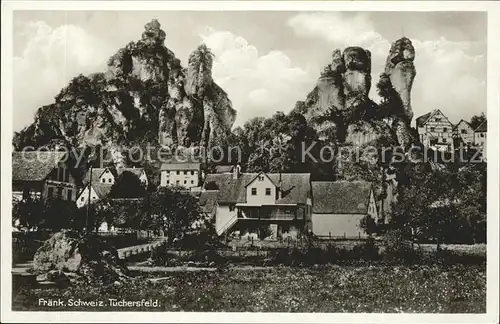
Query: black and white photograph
point(250, 161)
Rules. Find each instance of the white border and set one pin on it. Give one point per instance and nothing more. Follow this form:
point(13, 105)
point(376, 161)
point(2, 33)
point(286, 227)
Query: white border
point(493, 87)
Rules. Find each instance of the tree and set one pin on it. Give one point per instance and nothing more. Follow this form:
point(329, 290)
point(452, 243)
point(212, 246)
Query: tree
point(27, 213)
point(127, 185)
point(367, 223)
point(477, 120)
point(174, 210)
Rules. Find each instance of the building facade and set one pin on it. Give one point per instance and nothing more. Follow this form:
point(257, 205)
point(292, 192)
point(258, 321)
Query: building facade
point(480, 138)
point(269, 205)
point(338, 208)
point(464, 133)
point(43, 175)
point(435, 131)
point(187, 174)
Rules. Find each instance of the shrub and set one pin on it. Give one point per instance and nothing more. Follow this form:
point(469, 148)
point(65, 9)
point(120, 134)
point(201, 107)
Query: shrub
point(398, 249)
point(367, 251)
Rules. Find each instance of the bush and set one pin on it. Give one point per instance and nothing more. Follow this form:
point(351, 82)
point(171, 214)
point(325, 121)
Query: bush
point(367, 251)
point(398, 249)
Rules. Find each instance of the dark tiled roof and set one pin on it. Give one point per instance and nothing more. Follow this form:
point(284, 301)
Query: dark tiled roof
point(101, 189)
point(295, 187)
point(482, 128)
point(96, 173)
point(422, 119)
point(180, 166)
point(34, 166)
point(224, 168)
point(208, 201)
point(340, 197)
point(136, 171)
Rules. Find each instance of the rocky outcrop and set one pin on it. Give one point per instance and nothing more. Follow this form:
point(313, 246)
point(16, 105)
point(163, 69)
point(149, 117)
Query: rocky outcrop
point(339, 105)
point(72, 258)
point(401, 71)
point(144, 95)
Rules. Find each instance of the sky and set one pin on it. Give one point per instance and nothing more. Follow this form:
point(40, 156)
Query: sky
point(265, 61)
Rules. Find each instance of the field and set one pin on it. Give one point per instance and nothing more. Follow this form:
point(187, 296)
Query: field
point(328, 288)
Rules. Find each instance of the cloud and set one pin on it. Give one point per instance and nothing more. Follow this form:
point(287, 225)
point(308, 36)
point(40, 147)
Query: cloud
point(50, 58)
point(258, 85)
point(448, 77)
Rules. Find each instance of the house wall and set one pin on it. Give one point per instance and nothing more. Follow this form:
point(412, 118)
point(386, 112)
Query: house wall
point(60, 183)
point(186, 178)
point(337, 225)
point(33, 188)
point(144, 179)
point(223, 216)
point(107, 177)
point(466, 133)
point(480, 138)
point(83, 197)
point(438, 127)
point(261, 183)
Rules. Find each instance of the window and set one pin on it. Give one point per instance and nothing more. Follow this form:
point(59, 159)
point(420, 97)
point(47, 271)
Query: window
point(192, 181)
point(481, 135)
point(59, 192)
point(69, 195)
point(261, 178)
point(464, 131)
point(437, 119)
point(50, 192)
point(177, 182)
point(444, 140)
point(103, 180)
point(254, 191)
point(268, 191)
point(185, 181)
point(168, 173)
point(231, 207)
point(185, 172)
point(433, 129)
point(445, 129)
point(110, 180)
point(178, 172)
point(192, 172)
point(82, 199)
point(168, 181)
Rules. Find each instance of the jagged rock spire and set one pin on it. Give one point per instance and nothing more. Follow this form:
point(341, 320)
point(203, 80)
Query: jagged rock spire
point(153, 34)
point(401, 71)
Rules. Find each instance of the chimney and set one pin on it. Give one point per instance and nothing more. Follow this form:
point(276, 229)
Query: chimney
point(236, 171)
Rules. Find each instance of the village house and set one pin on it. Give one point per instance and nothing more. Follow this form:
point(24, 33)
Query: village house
point(338, 208)
point(463, 133)
point(110, 175)
point(102, 181)
point(273, 205)
point(186, 174)
point(42, 174)
point(97, 192)
point(480, 137)
point(435, 131)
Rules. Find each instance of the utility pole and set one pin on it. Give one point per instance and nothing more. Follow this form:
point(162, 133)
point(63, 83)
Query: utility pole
point(88, 202)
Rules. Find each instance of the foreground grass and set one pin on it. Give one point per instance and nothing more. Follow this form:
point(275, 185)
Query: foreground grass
point(288, 289)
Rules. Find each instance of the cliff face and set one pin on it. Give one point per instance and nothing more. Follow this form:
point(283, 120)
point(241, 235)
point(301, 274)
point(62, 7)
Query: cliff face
point(145, 94)
point(339, 104)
